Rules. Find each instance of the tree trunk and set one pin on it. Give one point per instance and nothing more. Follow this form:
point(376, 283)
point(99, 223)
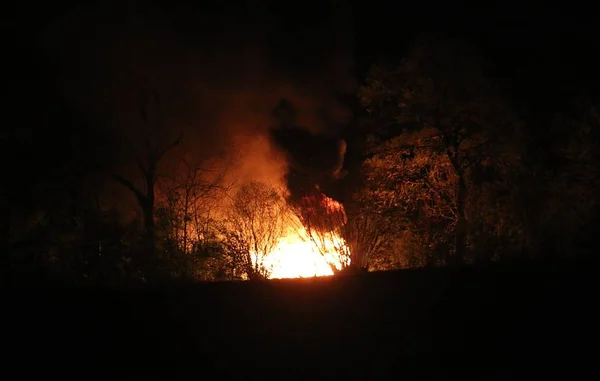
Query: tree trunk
point(148, 209)
point(146, 203)
point(460, 245)
point(149, 228)
point(186, 207)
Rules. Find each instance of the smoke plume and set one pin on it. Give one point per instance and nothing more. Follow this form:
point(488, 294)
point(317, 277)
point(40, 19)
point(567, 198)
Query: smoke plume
point(224, 72)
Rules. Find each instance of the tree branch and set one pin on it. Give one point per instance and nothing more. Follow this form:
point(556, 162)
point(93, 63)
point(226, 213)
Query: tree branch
point(169, 147)
point(141, 197)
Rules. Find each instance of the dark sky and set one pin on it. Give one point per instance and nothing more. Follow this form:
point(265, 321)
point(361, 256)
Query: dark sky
point(296, 35)
point(240, 58)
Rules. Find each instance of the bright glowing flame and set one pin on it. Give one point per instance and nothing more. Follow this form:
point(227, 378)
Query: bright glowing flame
point(297, 256)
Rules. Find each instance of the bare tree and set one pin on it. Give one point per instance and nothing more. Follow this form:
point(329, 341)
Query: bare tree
point(256, 222)
point(324, 218)
point(150, 147)
point(192, 189)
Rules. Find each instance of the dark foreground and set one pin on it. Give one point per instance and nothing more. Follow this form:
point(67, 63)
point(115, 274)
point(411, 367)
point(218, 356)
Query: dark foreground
point(503, 322)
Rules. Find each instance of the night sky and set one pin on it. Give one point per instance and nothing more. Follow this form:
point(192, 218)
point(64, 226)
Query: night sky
point(298, 36)
point(69, 62)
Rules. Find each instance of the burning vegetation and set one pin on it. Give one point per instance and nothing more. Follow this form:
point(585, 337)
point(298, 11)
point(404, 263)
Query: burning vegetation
point(437, 168)
point(268, 238)
point(322, 219)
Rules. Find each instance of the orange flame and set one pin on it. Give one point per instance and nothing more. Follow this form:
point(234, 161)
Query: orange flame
point(297, 255)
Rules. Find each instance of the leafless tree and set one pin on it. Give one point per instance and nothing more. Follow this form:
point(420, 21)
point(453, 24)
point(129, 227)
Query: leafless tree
point(256, 222)
point(192, 189)
point(324, 218)
point(150, 147)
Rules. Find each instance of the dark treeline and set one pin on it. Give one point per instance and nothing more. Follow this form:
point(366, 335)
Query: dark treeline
point(450, 158)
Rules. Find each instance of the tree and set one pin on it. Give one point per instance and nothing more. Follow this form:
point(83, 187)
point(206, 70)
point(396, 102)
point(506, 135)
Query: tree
point(150, 146)
point(366, 235)
point(256, 221)
point(190, 193)
point(439, 120)
point(323, 219)
point(412, 190)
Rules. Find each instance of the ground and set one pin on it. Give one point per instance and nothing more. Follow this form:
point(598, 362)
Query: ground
point(512, 321)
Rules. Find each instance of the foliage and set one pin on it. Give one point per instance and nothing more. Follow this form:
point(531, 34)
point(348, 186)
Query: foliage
point(92, 247)
point(440, 126)
point(417, 183)
point(256, 221)
point(366, 235)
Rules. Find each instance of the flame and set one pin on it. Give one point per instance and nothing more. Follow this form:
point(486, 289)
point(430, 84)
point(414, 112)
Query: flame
point(322, 213)
point(298, 256)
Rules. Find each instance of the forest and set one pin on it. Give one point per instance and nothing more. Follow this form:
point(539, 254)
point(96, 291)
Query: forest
point(143, 163)
point(426, 172)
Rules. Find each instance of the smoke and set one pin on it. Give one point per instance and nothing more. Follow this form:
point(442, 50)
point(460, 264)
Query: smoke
point(337, 172)
point(229, 69)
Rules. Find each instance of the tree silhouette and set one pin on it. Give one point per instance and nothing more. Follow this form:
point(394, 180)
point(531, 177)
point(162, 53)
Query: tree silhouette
point(151, 149)
point(442, 118)
point(190, 193)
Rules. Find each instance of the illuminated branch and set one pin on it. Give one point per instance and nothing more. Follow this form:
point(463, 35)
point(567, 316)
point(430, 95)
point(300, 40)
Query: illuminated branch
point(323, 218)
point(257, 218)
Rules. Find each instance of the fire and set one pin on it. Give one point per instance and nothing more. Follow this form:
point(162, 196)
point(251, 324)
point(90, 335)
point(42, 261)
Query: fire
point(296, 256)
point(303, 252)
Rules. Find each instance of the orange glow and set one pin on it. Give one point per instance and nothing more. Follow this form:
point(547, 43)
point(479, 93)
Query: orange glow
point(297, 256)
point(321, 213)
